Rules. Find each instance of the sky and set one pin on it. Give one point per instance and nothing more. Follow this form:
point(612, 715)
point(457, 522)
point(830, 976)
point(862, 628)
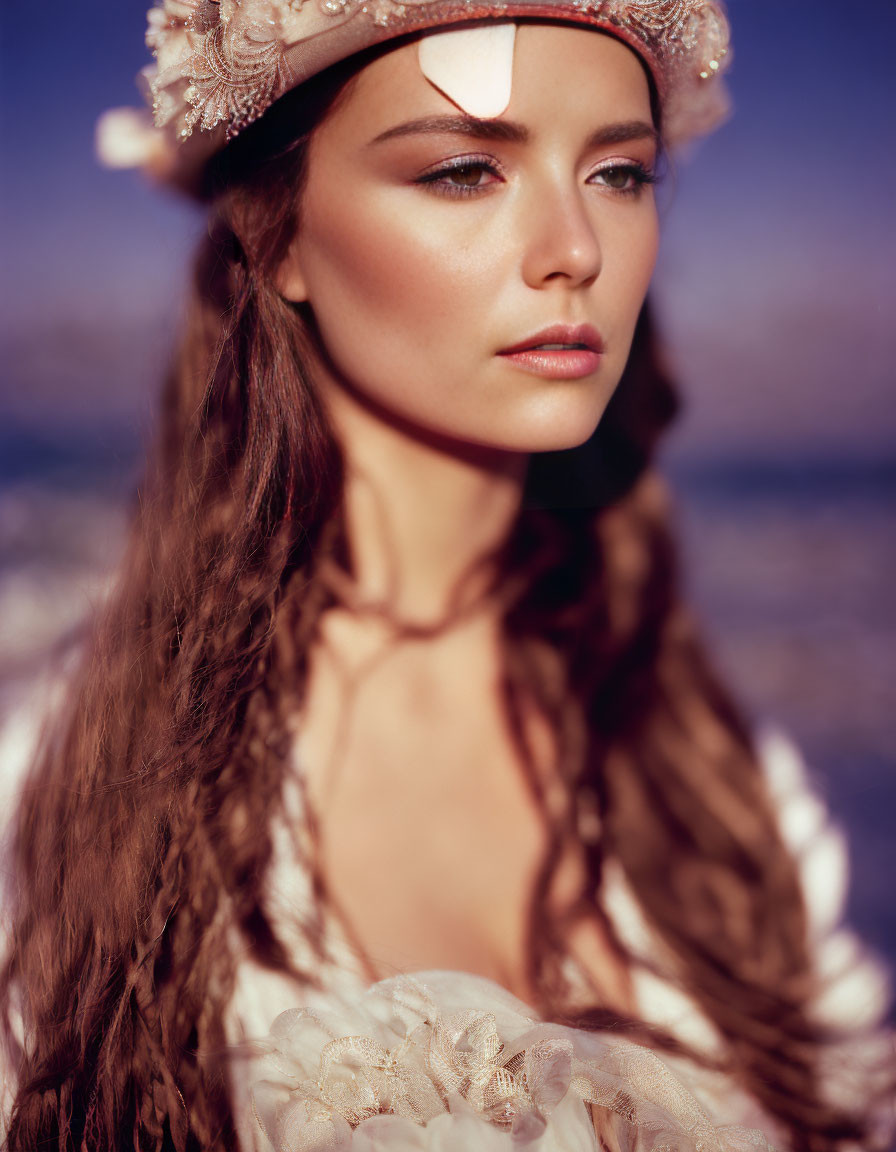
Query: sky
point(776, 283)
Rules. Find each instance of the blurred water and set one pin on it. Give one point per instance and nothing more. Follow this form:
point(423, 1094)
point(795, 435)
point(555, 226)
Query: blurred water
point(789, 565)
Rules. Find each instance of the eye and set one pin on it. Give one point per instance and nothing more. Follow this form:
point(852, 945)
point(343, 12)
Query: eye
point(463, 177)
point(627, 178)
point(470, 176)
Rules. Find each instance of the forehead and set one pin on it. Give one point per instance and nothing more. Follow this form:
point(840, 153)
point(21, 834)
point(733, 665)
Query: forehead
point(563, 75)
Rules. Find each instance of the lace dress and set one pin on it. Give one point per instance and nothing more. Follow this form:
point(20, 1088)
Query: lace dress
point(449, 1060)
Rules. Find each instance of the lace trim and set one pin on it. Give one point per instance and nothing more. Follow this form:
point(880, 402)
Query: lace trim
point(399, 1070)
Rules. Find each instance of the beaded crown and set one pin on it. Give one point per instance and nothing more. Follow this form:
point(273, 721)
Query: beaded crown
point(219, 64)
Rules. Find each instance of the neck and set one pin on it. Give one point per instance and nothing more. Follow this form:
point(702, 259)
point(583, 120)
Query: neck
point(421, 514)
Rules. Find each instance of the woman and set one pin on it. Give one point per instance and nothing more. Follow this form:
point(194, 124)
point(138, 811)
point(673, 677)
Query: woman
point(367, 701)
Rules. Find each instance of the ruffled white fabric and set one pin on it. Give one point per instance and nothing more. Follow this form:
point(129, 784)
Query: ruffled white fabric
point(447, 1061)
point(854, 992)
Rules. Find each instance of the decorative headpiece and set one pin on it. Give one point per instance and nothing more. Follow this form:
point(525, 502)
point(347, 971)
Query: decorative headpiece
point(219, 64)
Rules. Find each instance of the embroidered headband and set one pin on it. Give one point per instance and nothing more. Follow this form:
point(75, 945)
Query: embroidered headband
point(219, 64)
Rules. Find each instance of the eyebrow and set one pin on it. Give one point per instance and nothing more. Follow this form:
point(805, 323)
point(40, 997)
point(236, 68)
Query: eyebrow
point(507, 130)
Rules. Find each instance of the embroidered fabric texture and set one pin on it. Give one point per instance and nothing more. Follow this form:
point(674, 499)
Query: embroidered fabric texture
point(220, 63)
point(450, 1061)
point(854, 1002)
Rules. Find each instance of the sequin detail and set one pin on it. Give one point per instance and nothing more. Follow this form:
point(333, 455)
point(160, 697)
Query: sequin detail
point(235, 76)
point(221, 63)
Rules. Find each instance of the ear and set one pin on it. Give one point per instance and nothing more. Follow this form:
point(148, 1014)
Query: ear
point(289, 280)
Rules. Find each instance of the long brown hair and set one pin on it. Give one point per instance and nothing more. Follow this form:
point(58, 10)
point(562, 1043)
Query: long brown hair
point(141, 845)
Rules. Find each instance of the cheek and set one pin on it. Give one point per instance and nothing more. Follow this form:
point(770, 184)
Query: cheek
point(633, 252)
point(630, 256)
point(380, 285)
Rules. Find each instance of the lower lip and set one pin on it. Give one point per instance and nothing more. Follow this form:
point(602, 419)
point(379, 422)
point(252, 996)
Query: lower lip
point(568, 364)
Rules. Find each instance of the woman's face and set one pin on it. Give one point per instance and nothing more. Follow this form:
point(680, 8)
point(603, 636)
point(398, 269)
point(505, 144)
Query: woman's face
point(431, 246)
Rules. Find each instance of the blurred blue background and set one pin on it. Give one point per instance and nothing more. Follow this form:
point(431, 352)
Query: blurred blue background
point(776, 292)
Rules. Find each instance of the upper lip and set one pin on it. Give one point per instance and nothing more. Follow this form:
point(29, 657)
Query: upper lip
point(573, 334)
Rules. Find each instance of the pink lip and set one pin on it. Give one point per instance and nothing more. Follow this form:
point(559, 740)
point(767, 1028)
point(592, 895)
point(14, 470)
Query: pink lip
point(560, 334)
point(582, 358)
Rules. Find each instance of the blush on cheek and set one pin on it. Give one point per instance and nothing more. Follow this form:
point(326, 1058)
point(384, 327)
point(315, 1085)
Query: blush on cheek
point(366, 299)
point(373, 276)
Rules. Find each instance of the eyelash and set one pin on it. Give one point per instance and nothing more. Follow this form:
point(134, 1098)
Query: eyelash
point(640, 175)
point(438, 179)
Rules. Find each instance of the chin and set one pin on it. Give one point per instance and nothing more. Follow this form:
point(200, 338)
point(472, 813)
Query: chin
point(556, 443)
point(557, 428)
point(533, 441)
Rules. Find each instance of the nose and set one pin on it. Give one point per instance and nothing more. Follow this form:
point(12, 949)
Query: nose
point(562, 244)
